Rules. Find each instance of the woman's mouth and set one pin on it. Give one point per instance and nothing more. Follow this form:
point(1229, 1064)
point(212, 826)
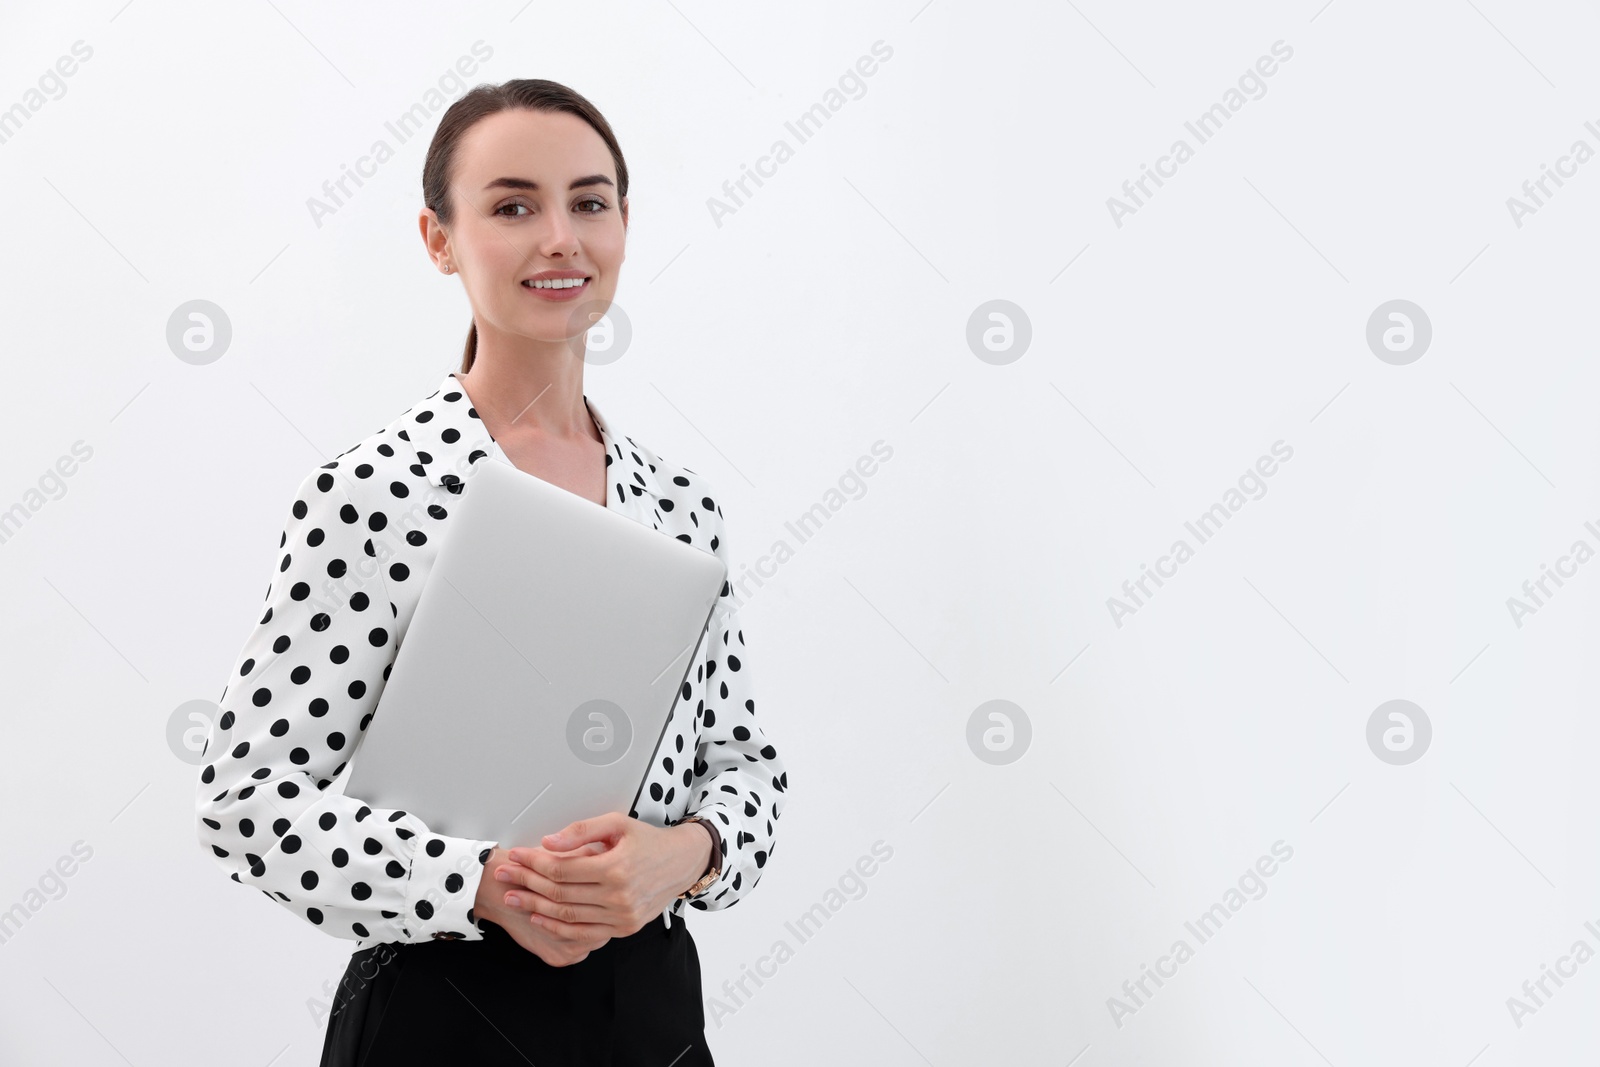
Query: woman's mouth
point(558, 289)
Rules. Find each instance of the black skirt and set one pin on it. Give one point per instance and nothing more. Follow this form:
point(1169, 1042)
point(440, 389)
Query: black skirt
point(634, 1000)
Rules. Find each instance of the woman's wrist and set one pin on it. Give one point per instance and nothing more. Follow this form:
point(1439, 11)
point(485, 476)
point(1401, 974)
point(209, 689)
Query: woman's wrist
point(491, 893)
point(714, 858)
point(703, 846)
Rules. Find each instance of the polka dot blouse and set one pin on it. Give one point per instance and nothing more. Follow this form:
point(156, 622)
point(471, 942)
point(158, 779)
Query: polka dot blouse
point(357, 546)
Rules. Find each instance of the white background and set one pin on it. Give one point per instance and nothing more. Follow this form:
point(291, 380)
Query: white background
point(770, 352)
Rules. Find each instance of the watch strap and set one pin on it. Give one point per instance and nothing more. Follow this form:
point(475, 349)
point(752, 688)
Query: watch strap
point(714, 868)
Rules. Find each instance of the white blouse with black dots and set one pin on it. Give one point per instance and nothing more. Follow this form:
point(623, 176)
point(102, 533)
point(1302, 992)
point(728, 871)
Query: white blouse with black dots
point(357, 546)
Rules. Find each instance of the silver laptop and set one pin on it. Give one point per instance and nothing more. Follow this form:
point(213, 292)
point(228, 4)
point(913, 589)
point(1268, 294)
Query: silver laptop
point(547, 649)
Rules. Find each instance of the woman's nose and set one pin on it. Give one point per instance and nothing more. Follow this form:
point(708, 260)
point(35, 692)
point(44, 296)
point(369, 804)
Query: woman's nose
point(561, 237)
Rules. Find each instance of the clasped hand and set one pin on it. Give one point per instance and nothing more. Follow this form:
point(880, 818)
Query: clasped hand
point(594, 880)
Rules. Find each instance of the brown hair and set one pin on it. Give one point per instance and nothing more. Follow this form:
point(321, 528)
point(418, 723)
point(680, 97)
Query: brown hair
point(530, 94)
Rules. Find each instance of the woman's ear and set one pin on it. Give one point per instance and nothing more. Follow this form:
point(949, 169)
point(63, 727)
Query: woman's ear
point(434, 237)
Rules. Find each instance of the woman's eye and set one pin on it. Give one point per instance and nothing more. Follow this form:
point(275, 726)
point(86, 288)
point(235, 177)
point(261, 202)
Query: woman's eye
point(589, 207)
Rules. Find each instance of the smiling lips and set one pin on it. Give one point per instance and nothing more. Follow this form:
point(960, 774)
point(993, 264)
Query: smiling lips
point(557, 288)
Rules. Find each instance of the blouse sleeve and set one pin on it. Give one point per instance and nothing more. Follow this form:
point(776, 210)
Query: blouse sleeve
point(738, 781)
point(294, 710)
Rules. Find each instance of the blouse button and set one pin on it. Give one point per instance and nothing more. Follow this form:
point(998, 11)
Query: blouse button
point(447, 935)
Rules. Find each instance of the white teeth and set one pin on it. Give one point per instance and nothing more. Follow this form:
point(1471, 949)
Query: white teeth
point(556, 283)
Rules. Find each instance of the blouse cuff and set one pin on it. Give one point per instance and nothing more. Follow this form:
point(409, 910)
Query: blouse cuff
point(443, 888)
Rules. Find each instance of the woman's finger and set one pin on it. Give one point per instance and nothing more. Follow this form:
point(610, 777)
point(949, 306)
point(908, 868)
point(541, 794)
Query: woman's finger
point(577, 867)
point(515, 876)
point(580, 931)
point(548, 911)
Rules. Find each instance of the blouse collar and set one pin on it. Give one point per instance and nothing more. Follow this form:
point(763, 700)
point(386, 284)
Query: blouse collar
point(449, 439)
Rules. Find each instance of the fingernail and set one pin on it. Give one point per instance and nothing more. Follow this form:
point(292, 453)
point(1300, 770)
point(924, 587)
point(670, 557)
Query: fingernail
point(504, 876)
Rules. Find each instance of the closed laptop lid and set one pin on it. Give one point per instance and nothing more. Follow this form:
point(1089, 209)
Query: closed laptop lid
point(546, 652)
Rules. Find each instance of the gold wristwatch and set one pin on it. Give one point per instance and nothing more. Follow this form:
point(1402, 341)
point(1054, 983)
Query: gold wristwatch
point(711, 875)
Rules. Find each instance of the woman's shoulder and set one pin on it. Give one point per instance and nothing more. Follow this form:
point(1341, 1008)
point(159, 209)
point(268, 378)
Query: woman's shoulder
point(371, 468)
point(673, 476)
point(370, 486)
point(432, 442)
point(682, 493)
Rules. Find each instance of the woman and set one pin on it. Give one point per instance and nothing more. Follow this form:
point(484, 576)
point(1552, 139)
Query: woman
point(576, 951)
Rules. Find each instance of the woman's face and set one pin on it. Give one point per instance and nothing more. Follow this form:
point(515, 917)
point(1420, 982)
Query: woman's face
point(533, 192)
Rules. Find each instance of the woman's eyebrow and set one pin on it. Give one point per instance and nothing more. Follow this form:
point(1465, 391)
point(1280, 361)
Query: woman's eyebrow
point(530, 186)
